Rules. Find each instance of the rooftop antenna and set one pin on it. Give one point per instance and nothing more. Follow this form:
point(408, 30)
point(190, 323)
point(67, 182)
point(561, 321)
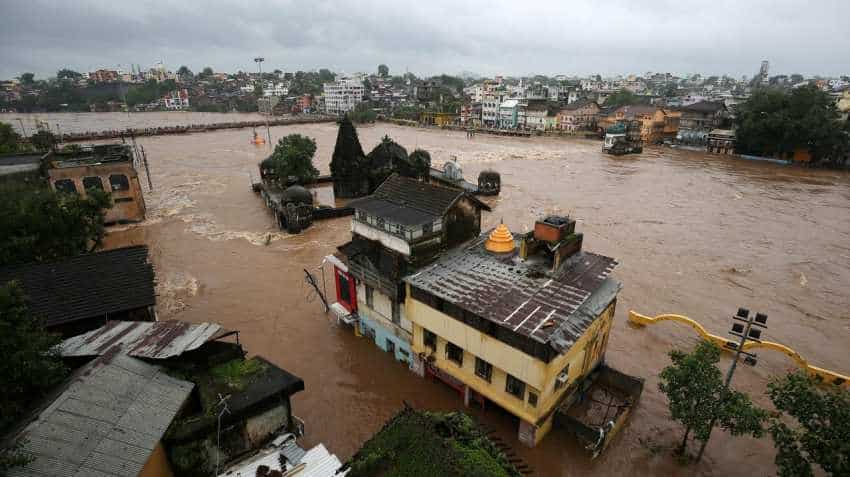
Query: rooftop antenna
point(222, 401)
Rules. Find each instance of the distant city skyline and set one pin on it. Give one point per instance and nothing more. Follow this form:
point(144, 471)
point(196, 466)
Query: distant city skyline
point(488, 38)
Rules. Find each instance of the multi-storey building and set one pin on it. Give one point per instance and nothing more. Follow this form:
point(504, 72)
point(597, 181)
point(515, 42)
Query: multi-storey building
point(490, 107)
point(402, 226)
point(511, 114)
point(516, 322)
point(343, 95)
point(176, 100)
point(578, 115)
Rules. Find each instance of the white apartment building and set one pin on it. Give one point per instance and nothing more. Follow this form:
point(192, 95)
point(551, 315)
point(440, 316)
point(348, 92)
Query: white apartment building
point(343, 95)
point(490, 107)
point(275, 89)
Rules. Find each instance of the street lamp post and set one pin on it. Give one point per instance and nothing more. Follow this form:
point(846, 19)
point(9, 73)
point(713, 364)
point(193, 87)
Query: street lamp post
point(259, 61)
point(745, 331)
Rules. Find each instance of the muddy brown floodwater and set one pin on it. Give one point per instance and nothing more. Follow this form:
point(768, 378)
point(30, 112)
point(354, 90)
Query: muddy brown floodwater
point(695, 234)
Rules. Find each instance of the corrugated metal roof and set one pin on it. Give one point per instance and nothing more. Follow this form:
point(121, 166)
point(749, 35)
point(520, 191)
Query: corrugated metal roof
point(519, 295)
point(107, 421)
point(317, 462)
point(142, 339)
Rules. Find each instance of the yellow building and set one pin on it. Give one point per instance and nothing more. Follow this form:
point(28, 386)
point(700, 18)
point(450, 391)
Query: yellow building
point(517, 322)
point(657, 124)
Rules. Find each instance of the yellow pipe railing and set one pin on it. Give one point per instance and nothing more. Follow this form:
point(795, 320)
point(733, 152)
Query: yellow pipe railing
point(825, 375)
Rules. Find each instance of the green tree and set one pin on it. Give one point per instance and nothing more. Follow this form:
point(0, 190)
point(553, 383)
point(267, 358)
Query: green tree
point(363, 113)
point(184, 73)
point(776, 123)
point(325, 75)
point(417, 165)
point(67, 74)
point(43, 140)
point(42, 225)
point(29, 368)
point(384, 159)
point(698, 399)
point(821, 433)
point(27, 79)
point(9, 139)
point(623, 97)
point(293, 159)
point(383, 70)
point(796, 78)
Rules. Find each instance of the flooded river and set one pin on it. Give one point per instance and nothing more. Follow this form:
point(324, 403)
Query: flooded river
point(695, 234)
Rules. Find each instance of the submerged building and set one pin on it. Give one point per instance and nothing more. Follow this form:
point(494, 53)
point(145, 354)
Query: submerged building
point(519, 322)
point(107, 167)
point(395, 231)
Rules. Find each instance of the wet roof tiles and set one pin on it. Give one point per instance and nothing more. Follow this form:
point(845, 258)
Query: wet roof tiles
point(87, 286)
point(522, 296)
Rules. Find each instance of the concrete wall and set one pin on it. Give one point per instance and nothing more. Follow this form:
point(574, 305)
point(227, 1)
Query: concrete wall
point(157, 464)
point(539, 376)
point(127, 205)
point(260, 427)
point(387, 240)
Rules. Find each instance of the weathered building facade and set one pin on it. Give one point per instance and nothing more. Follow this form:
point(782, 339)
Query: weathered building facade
point(402, 226)
point(516, 322)
point(107, 168)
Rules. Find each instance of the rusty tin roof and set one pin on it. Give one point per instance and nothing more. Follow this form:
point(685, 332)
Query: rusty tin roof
point(523, 296)
point(142, 339)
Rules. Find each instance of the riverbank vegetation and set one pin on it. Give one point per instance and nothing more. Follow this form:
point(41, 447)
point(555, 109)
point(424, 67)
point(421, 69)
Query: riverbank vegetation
point(782, 123)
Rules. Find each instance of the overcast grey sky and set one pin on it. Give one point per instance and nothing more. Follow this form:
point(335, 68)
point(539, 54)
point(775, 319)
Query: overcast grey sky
point(430, 36)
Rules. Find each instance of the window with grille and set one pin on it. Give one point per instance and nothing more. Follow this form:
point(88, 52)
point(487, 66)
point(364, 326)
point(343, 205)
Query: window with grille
point(119, 182)
point(483, 369)
point(515, 387)
point(454, 353)
point(92, 183)
point(65, 185)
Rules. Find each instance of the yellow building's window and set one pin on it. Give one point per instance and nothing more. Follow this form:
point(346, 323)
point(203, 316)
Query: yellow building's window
point(515, 387)
point(532, 399)
point(454, 353)
point(429, 339)
point(483, 369)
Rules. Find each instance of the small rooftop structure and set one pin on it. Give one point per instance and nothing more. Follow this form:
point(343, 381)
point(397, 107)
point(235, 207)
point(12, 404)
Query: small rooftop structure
point(91, 155)
point(500, 240)
point(91, 287)
point(108, 420)
point(149, 340)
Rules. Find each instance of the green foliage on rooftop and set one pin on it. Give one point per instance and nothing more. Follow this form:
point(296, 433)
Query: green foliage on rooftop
point(428, 444)
point(237, 373)
point(623, 97)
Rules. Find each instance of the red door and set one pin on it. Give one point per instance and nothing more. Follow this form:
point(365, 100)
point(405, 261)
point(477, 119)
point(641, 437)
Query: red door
point(346, 290)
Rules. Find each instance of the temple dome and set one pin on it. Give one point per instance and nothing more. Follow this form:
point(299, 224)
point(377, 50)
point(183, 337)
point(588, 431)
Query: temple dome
point(501, 240)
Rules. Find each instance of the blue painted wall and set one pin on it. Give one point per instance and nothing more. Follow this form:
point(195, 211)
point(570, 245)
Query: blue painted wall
point(382, 334)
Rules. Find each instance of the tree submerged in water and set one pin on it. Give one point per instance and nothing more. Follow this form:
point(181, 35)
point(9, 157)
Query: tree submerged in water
point(385, 159)
point(699, 399)
point(292, 160)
